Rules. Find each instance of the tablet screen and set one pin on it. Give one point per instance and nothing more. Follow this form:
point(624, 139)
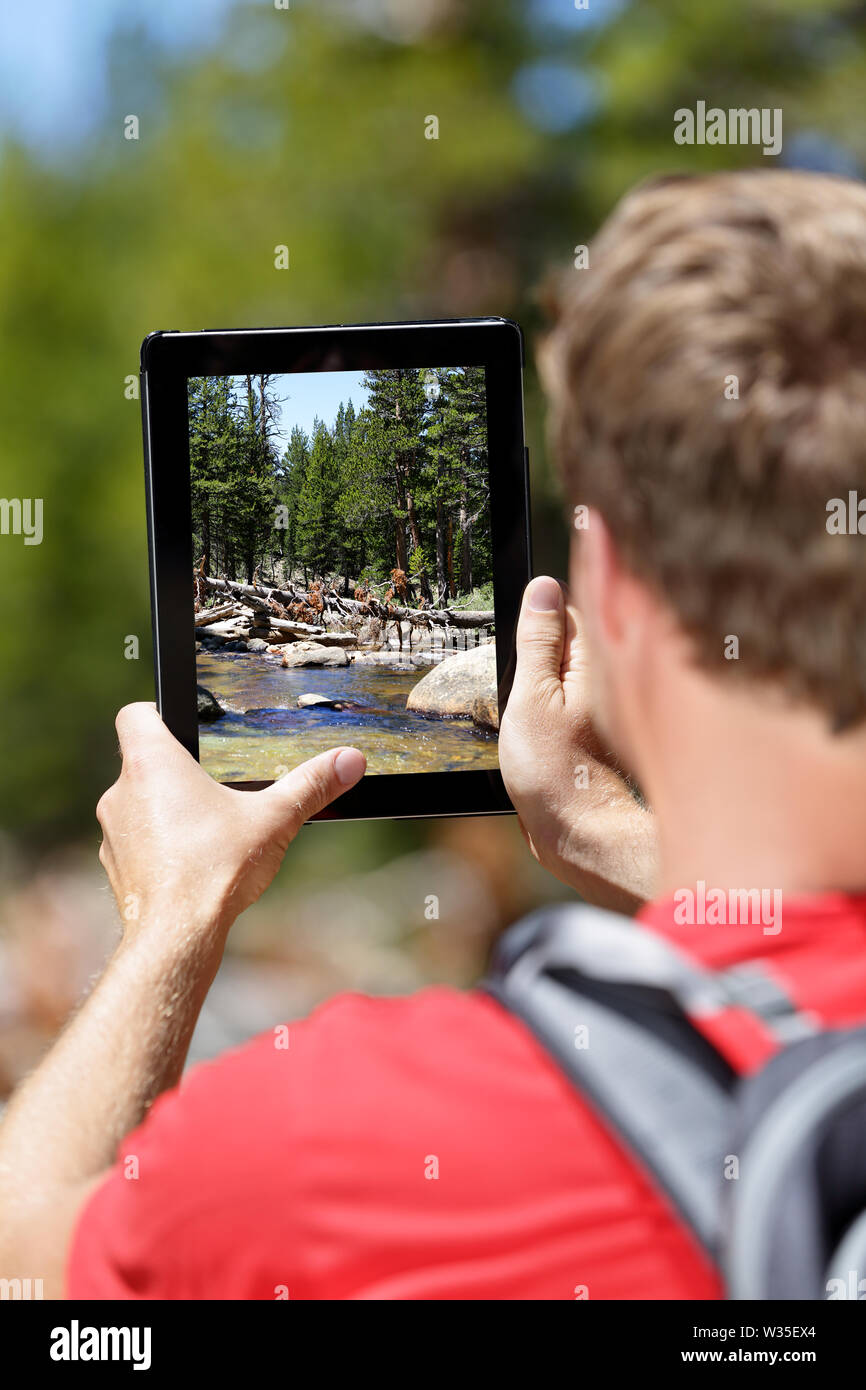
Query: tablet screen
point(343, 570)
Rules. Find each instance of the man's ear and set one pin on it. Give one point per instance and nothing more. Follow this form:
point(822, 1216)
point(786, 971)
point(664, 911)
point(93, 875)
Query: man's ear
point(598, 581)
point(622, 615)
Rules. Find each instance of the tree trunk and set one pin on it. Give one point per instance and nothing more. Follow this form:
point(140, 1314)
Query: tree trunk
point(400, 538)
point(450, 560)
point(441, 561)
point(465, 547)
point(415, 533)
point(412, 517)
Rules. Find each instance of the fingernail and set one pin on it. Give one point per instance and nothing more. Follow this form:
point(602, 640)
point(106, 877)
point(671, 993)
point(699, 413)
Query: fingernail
point(349, 766)
point(545, 596)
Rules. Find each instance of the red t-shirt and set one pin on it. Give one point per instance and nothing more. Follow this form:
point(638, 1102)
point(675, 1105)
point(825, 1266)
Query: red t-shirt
point(421, 1148)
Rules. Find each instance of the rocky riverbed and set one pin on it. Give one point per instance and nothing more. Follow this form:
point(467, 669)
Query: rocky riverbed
point(405, 714)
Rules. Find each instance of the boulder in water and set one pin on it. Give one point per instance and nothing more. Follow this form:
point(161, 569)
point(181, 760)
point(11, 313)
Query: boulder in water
point(312, 701)
point(313, 654)
point(485, 711)
point(451, 689)
point(209, 707)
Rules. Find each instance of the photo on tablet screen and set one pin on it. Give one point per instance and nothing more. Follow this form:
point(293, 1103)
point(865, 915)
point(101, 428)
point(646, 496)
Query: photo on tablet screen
point(343, 570)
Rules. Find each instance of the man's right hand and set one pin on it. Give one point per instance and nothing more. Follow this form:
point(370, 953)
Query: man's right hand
point(182, 848)
point(574, 806)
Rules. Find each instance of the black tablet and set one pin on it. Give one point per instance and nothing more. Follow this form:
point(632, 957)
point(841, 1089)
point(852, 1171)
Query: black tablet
point(338, 531)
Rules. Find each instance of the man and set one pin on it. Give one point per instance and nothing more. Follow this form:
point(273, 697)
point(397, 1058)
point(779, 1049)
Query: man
point(708, 384)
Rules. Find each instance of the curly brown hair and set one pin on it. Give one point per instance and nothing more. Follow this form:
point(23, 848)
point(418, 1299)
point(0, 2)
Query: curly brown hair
point(707, 376)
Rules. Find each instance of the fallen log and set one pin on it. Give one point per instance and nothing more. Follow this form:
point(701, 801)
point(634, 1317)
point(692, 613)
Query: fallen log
point(258, 596)
point(252, 597)
point(230, 629)
point(215, 615)
point(465, 617)
point(323, 635)
point(239, 625)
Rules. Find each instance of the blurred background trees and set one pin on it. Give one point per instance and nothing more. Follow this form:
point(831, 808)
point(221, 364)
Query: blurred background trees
point(307, 128)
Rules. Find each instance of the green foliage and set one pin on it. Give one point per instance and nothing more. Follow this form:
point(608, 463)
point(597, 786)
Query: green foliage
point(417, 478)
point(316, 520)
point(291, 474)
point(480, 598)
point(317, 144)
point(418, 563)
point(378, 490)
point(231, 474)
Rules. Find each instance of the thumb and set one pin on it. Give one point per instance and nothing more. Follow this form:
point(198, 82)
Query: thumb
point(143, 738)
point(540, 635)
point(308, 789)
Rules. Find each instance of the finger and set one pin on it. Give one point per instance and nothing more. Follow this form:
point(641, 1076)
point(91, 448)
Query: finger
point(308, 789)
point(541, 636)
point(143, 737)
point(106, 859)
point(102, 806)
point(574, 647)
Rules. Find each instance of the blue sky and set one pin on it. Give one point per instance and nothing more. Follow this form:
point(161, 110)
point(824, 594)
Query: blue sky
point(54, 61)
point(308, 396)
point(315, 394)
point(53, 56)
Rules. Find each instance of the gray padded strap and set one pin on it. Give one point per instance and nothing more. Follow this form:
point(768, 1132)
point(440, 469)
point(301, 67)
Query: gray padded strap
point(643, 1074)
point(673, 1116)
point(607, 946)
point(847, 1264)
point(772, 1154)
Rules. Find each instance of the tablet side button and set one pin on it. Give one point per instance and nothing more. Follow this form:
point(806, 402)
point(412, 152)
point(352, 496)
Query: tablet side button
point(528, 507)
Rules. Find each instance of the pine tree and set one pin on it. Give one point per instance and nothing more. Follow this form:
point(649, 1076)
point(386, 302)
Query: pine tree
point(349, 558)
point(293, 471)
point(317, 505)
point(388, 459)
point(214, 447)
point(457, 437)
point(253, 493)
point(232, 472)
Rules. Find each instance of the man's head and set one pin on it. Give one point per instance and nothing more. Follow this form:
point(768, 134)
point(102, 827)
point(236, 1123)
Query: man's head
point(708, 384)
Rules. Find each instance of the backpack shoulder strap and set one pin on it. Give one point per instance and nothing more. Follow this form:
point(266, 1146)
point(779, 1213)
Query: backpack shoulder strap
point(604, 997)
point(611, 1002)
point(797, 1216)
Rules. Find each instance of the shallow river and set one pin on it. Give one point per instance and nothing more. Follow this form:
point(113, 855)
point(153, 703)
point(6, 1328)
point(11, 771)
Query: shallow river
point(263, 728)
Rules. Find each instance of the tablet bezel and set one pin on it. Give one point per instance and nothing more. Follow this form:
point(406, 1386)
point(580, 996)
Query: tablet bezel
point(168, 359)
